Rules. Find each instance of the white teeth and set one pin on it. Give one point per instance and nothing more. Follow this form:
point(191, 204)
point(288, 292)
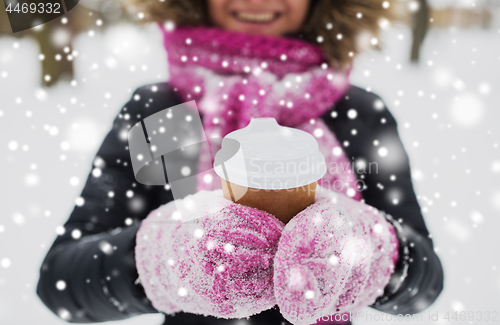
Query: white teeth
point(264, 17)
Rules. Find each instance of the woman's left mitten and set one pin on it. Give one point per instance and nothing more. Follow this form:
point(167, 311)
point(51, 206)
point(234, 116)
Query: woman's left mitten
point(335, 256)
point(218, 259)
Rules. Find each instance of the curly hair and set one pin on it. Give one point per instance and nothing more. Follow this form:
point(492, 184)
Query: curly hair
point(342, 28)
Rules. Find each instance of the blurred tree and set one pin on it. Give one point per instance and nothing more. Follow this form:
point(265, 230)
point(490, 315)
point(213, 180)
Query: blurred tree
point(55, 38)
point(420, 28)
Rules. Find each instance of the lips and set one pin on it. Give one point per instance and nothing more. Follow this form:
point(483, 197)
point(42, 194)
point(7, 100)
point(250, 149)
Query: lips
point(256, 18)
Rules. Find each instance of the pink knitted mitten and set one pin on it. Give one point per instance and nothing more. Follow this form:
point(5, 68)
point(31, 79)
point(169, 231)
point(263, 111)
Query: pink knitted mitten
point(208, 255)
point(335, 256)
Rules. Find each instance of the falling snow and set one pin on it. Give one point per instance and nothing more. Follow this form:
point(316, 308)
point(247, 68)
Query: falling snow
point(443, 106)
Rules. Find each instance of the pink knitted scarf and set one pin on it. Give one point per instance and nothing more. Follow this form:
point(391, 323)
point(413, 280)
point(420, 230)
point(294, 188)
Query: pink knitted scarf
point(234, 77)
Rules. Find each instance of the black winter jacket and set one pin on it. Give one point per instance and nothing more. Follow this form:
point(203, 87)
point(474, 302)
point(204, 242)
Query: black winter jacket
point(98, 266)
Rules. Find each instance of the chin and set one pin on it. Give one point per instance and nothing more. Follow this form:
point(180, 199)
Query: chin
point(258, 32)
point(259, 29)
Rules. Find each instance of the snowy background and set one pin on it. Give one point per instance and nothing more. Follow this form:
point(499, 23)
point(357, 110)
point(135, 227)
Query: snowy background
point(447, 110)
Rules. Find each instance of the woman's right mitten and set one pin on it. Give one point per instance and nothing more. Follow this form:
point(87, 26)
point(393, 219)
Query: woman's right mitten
point(215, 260)
point(335, 256)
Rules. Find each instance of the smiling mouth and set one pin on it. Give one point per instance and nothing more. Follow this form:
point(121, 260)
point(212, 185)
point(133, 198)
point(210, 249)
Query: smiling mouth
point(256, 18)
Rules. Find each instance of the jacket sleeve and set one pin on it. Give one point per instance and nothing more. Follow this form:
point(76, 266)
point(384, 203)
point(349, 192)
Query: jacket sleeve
point(382, 167)
point(89, 273)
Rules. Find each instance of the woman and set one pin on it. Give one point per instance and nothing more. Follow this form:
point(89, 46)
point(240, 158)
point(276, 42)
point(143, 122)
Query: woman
point(240, 59)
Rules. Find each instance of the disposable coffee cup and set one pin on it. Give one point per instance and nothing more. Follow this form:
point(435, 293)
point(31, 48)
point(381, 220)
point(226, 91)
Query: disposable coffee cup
point(270, 167)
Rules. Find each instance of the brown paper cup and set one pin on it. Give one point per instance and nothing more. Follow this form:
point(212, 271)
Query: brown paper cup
point(283, 204)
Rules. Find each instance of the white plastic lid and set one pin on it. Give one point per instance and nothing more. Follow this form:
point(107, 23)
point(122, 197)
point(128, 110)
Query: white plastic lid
point(266, 155)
